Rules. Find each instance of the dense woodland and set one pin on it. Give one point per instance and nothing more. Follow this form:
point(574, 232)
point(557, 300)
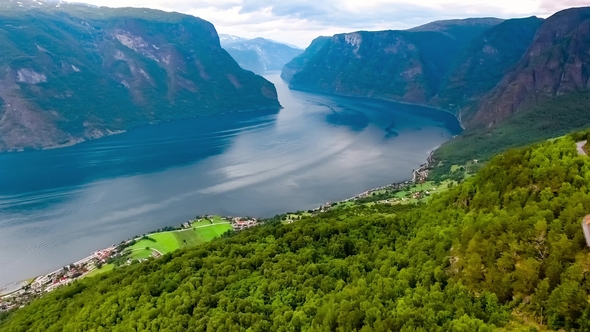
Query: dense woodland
point(504, 249)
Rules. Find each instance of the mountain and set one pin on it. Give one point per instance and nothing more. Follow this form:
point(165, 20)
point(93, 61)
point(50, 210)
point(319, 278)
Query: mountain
point(407, 66)
point(546, 94)
point(225, 39)
point(298, 63)
point(504, 250)
point(72, 72)
point(483, 64)
point(259, 54)
point(468, 28)
point(556, 63)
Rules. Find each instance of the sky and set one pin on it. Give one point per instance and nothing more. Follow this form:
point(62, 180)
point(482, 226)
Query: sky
point(299, 21)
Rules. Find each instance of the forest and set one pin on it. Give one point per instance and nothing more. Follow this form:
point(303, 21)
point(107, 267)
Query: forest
point(504, 250)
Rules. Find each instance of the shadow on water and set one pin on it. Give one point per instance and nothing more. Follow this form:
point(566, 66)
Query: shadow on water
point(144, 150)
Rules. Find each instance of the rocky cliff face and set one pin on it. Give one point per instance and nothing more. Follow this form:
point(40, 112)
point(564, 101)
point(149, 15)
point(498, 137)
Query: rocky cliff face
point(483, 64)
point(299, 62)
point(71, 72)
point(259, 54)
point(556, 63)
point(407, 66)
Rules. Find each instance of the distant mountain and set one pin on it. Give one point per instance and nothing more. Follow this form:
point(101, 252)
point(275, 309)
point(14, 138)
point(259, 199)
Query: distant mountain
point(407, 66)
point(298, 63)
point(259, 54)
point(226, 39)
point(73, 72)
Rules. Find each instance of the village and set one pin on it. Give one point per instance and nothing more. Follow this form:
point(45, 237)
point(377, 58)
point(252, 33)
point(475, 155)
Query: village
point(21, 293)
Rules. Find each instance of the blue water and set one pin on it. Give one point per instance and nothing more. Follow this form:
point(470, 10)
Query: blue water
point(57, 206)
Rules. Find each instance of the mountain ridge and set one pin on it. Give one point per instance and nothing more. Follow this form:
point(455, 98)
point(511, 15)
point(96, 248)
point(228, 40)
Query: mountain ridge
point(146, 66)
point(398, 65)
point(556, 63)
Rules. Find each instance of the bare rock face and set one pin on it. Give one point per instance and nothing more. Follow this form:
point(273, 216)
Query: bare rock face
point(69, 72)
point(556, 63)
point(483, 64)
point(29, 76)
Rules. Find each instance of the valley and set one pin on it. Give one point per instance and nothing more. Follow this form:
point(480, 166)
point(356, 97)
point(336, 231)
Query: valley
point(404, 172)
point(259, 163)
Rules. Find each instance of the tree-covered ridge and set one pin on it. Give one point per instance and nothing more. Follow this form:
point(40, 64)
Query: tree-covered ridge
point(502, 250)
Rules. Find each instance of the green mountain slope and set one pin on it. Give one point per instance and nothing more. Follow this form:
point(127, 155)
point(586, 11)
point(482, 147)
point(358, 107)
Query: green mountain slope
point(555, 117)
point(407, 66)
point(73, 72)
point(298, 63)
point(483, 64)
point(504, 249)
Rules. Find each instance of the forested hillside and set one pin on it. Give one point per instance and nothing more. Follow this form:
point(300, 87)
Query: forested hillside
point(504, 249)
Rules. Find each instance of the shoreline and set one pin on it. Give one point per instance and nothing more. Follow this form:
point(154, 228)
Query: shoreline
point(417, 175)
point(37, 286)
point(456, 116)
point(79, 140)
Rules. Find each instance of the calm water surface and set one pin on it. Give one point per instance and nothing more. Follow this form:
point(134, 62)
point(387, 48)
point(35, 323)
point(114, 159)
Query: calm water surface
point(57, 206)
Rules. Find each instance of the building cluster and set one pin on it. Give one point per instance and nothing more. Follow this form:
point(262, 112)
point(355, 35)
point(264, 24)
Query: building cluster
point(240, 223)
point(49, 282)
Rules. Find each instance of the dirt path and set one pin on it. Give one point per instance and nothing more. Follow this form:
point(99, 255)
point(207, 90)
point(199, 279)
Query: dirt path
point(581, 148)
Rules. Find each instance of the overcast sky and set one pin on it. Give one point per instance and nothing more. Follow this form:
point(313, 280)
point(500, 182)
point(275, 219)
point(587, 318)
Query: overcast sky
point(299, 21)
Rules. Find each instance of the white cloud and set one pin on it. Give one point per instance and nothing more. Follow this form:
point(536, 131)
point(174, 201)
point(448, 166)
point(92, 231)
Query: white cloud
point(299, 21)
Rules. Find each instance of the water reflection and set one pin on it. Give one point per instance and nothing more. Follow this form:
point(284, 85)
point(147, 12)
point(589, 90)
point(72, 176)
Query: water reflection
point(56, 206)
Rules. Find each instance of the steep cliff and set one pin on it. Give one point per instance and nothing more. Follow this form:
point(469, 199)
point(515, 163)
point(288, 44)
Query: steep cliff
point(73, 72)
point(298, 63)
point(556, 63)
point(407, 66)
point(484, 63)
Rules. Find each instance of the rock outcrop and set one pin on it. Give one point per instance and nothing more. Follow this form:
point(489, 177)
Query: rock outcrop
point(483, 64)
point(556, 63)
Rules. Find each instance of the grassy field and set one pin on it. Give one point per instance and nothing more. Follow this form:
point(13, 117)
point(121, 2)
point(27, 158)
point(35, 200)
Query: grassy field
point(189, 237)
point(103, 269)
point(166, 242)
point(213, 231)
point(163, 242)
point(207, 222)
point(141, 253)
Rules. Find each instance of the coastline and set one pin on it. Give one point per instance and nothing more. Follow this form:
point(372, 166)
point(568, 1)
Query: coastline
point(457, 116)
point(78, 140)
point(419, 174)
